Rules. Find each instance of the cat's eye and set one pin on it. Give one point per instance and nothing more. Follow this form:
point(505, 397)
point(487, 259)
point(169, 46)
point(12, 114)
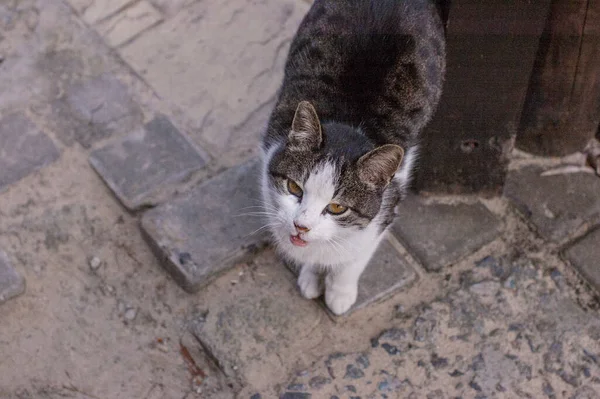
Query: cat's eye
point(294, 188)
point(336, 209)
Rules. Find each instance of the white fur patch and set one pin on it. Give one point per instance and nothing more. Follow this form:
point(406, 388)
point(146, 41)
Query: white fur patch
point(318, 193)
point(329, 244)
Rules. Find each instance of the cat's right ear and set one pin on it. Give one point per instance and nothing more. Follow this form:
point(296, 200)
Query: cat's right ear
point(306, 134)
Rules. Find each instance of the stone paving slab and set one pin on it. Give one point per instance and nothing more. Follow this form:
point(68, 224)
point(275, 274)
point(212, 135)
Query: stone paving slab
point(226, 82)
point(126, 25)
point(145, 161)
point(204, 233)
point(11, 283)
point(438, 235)
point(388, 272)
point(585, 256)
point(559, 206)
point(260, 323)
point(95, 109)
point(23, 149)
point(93, 11)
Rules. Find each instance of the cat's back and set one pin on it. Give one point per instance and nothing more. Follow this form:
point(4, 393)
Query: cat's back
point(374, 63)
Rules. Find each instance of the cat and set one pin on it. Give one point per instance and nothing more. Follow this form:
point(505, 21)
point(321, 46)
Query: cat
point(362, 79)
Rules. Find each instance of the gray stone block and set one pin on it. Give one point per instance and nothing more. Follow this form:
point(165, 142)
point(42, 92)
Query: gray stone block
point(139, 165)
point(203, 234)
point(585, 256)
point(559, 206)
point(23, 149)
point(441, 234)
point(95, 109)
point(388, 272)
point(11, 283)
point(258, 324)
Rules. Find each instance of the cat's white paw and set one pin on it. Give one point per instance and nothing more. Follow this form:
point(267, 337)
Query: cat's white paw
point(339, 302)
point(310, 285)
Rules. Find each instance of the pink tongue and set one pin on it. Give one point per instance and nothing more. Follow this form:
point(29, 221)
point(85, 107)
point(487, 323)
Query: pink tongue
point(297, 241)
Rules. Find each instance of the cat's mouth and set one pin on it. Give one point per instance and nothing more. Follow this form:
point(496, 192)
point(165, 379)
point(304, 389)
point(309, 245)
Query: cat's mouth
point(297, 241)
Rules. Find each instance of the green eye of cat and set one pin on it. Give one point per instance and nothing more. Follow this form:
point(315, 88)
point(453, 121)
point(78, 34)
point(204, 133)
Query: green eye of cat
point(336, 209)
point(294, 188)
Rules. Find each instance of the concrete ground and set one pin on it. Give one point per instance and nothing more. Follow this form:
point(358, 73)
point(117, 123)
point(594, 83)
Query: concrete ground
point(88, 311)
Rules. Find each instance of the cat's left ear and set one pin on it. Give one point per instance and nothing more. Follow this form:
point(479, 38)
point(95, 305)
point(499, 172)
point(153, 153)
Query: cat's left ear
point(377, 168)
point(306, 132)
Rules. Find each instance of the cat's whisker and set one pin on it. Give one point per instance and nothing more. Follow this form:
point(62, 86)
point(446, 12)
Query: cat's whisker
point(267, 207)
point(256, 214)
point(335, 247)
point(262, 228)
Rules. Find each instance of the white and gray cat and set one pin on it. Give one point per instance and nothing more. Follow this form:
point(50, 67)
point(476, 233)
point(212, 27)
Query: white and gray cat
point(362, 79)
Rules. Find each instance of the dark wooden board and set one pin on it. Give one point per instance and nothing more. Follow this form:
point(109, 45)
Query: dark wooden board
point(491, 48)
point(562, 108)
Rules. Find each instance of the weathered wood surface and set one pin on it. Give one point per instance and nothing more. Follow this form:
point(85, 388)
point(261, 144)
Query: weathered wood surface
point(562, 109)
point(491, 49)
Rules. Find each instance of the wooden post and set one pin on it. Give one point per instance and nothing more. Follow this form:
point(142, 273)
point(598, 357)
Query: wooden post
point(562, 109)
point(491, 48)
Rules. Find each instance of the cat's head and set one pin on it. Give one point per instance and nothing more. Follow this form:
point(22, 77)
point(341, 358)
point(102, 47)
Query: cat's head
point(326, 181)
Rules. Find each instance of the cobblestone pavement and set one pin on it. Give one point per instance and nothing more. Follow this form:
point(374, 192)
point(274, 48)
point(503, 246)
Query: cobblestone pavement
point(111, 107)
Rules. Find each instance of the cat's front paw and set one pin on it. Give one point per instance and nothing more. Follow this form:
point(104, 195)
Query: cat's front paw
point(339, 302)
point(310, 285)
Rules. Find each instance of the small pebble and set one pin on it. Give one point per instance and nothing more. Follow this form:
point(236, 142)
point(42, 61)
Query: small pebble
point(163, 348)
point(130, 314)
point(353, 372)
point(390, 349)
point(95, 263)
point(475, 386)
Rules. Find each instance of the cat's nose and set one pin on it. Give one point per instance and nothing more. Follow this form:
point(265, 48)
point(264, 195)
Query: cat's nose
point(300, 228)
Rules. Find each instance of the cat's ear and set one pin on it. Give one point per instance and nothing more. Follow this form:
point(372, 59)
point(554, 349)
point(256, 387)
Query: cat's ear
point(377, 168)
point(306, 132)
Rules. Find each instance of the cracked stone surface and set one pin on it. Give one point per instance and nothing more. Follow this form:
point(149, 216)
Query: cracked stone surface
point(23, 149)
point(227, 89)
point(559, 206)
point(514, 337)
point(585, 256)
point(93, 11)
point(95, 109)
point(440, 234)
point(128, 24)
point(207, 231)
point(142, 164)
point(263, 322)
point(11, 283)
